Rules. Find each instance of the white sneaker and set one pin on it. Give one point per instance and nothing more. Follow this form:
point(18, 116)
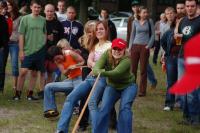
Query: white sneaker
point(167, 108)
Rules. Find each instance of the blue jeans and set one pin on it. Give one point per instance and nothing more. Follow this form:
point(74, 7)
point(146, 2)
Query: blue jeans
point(51, 88)
point(172, 76)
point(3, 61)
point(14, 53)
point(191, 109)
point(151, 75)
point(181, 69)
point(77, 94)
point(95, 99)
point(57, 75)
point(191, 101)
point(110, 97)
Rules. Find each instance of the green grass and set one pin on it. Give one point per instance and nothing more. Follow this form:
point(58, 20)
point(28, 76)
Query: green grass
point(27, 117)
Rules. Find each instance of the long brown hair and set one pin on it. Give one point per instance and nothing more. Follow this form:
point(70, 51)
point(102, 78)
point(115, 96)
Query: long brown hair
point(105, 25)
point(15, 10)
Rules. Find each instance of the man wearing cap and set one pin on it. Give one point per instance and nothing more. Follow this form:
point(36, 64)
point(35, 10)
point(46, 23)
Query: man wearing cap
point(188, 27)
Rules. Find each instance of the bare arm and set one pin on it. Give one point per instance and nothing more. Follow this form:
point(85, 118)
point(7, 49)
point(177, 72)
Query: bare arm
point(90, 61)
point(21, 47)
point(78, 58)
point(61, 68)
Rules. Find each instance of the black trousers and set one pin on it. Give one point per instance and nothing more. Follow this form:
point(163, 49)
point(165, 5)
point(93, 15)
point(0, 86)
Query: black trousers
point(156, 51)
point(3, 61)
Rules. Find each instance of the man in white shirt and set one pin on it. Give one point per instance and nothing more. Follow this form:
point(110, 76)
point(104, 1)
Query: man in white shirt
point(61, 13)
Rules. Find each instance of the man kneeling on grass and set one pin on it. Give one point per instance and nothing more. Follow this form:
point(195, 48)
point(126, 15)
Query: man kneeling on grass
point(69, 64)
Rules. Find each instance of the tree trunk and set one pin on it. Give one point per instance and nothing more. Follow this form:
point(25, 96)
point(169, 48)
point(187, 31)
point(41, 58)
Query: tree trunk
point(83, 14)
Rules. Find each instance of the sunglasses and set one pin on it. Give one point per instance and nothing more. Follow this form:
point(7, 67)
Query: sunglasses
point(117, 49)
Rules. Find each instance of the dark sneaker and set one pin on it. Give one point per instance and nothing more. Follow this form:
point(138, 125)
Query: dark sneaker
point(41, 94)
point(76, 111)
point(51, 113)
point(17, 95)
point(58, 131)
point(16, 98)
point(32, 98)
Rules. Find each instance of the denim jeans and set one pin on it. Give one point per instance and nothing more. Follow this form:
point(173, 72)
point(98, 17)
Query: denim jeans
point(110, 97)
point(14, 53)
point(181, 69)
point(172, 76)
point(78, 93)
point(151, 75)
point(191, 109)
point(95, 99)
point(3, 61)
point(51, 88)
point(191, 101)
point(57, 75)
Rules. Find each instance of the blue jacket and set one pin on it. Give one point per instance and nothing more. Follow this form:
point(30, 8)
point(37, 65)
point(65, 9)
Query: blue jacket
point(73, 30)
point(167, 41)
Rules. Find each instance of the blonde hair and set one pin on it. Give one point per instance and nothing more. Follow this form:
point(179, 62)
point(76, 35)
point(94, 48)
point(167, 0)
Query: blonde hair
point(63, 43)
point(86, 41)
point(168, 9)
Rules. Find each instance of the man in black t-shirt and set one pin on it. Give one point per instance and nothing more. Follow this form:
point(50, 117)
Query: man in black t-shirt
point(55, 32)
point(189, 26)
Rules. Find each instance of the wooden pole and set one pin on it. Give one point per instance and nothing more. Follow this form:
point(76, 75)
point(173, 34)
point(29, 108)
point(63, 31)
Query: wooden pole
point(86, 103)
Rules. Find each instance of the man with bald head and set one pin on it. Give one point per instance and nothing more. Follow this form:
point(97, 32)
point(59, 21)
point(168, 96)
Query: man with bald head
point(55, 32)
point(55, 29)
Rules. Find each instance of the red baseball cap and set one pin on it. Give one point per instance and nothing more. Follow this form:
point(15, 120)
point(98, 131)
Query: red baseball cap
point(191, 78)
point(119, 43)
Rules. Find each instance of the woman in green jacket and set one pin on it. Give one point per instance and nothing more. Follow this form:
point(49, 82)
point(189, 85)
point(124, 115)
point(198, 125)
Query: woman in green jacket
point(115, 65)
